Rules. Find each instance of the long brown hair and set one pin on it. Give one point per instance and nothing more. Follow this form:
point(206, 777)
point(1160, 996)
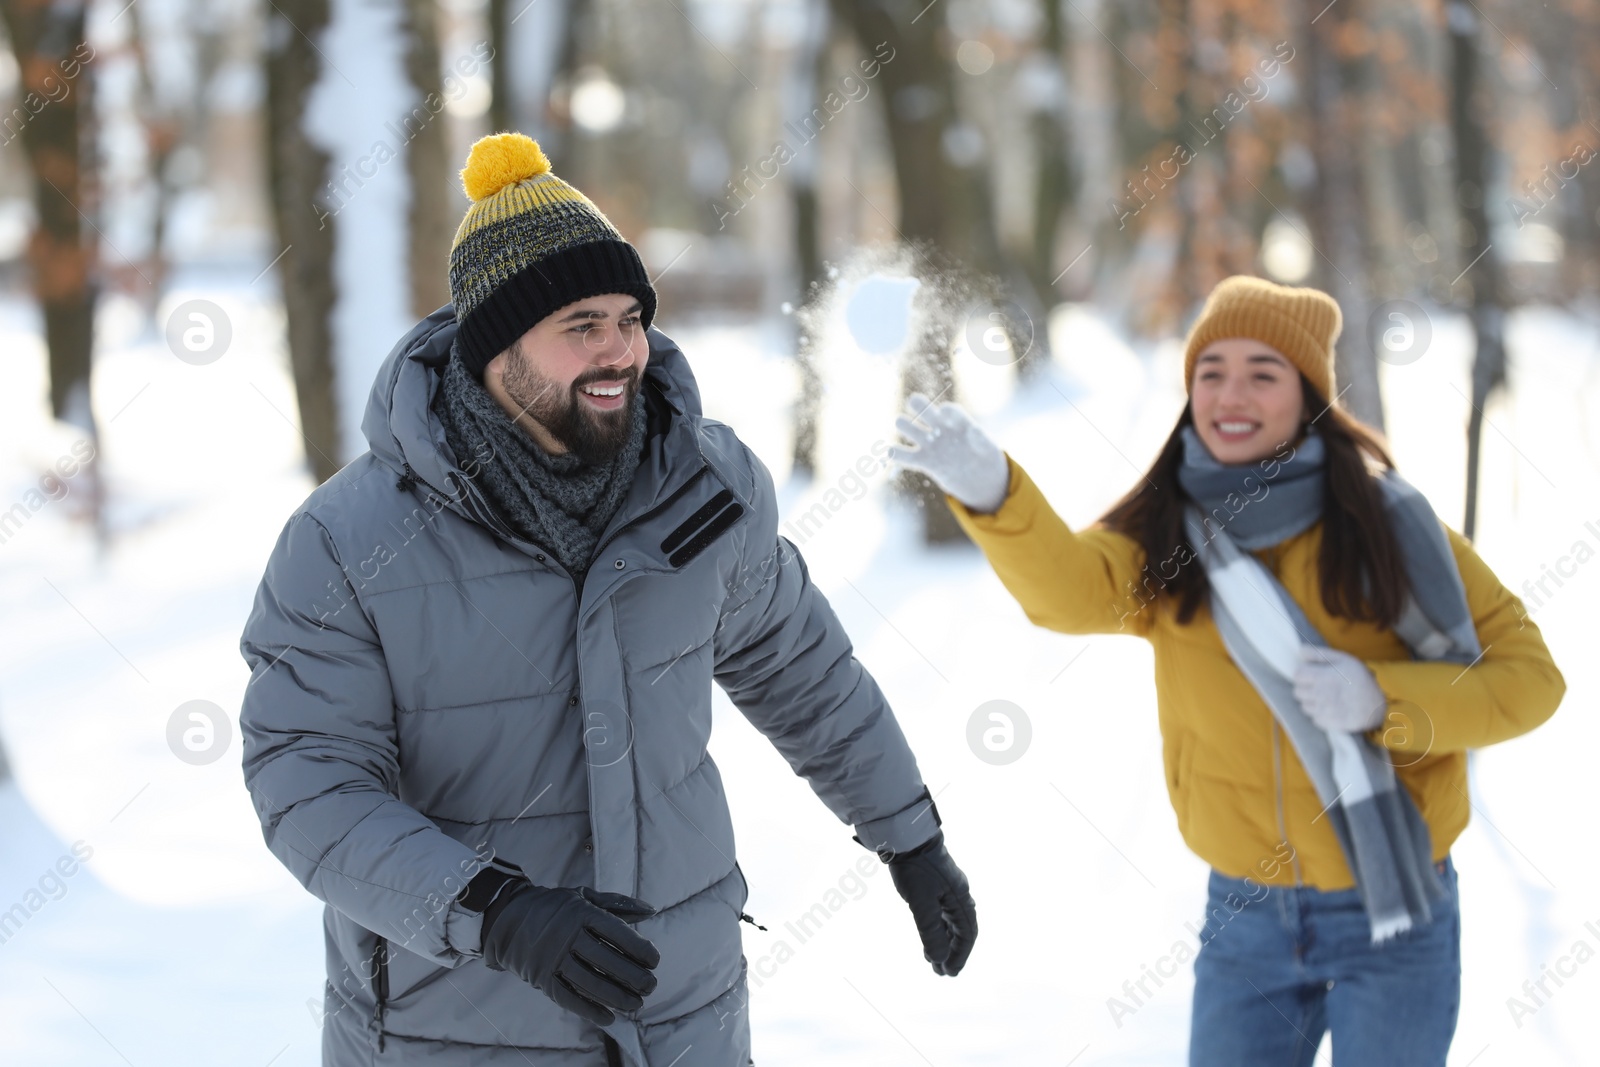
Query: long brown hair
point(1360, 570)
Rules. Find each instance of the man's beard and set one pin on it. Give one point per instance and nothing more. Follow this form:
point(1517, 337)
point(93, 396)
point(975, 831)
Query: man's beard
point(594, 436)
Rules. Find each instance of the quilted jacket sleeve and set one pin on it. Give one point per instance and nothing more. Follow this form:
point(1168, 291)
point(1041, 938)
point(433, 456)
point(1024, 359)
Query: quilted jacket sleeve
point(321, 760)
point(1073, 582)
point(786, 662)
point(1512, 688)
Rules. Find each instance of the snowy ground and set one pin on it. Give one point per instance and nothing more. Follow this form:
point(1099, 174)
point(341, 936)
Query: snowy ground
point(179, 940)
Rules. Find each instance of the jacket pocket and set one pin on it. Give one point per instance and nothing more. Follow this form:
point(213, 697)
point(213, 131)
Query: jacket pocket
point(380, 987)
point(1182, 776)
point(696, 533)
point(744, 897)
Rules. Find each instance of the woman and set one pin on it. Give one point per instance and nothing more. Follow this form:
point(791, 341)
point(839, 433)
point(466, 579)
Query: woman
point(1326, 653)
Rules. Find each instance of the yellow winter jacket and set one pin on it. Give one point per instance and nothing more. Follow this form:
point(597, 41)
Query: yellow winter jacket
point(1219, 738)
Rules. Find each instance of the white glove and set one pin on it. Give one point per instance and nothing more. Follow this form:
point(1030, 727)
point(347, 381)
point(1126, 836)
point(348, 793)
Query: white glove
point(954, 452)
point(1337, 691)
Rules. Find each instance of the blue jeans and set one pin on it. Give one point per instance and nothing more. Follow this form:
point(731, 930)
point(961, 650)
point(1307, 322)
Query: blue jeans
point(1281, 965)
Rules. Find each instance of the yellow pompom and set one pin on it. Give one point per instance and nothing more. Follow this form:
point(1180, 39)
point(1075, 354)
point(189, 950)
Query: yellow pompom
point(499, 160)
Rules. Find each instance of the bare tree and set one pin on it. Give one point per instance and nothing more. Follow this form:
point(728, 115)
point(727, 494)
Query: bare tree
point(533, 44)
point(54, 122)
point(297, 170)
point(1482, 276)
point(801, 89)
point(433, 212)
point(1055, 182)
point(1144, 127)
point(1338, 93)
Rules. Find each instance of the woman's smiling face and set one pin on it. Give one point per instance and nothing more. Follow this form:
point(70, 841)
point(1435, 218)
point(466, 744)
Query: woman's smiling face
point(1246, 398)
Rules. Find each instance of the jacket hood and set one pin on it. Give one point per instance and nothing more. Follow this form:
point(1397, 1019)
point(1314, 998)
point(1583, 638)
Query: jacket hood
point(402, 430)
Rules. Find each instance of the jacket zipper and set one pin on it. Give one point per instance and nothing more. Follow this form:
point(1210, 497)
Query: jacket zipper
point(380, 985)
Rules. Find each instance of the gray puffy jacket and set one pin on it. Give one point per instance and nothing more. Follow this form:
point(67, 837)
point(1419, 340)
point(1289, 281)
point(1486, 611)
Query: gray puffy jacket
point(430, 693)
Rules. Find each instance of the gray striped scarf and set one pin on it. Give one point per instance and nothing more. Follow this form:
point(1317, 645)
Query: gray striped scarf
point(1384, 839)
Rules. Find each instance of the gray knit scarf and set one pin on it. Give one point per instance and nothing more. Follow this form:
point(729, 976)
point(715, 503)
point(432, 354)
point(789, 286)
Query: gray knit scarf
point(1383, 836)
point(558, 502)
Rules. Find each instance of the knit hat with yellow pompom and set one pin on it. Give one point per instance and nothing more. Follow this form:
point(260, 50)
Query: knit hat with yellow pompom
point(1301, 323)
point(530, 244)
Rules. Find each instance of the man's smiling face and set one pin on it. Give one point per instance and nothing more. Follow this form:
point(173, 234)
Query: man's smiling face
point(571, 380)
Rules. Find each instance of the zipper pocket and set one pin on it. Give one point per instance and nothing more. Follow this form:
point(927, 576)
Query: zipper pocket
point(380, 985)
point(653, 512)
point(713, 530)
point(743, 917)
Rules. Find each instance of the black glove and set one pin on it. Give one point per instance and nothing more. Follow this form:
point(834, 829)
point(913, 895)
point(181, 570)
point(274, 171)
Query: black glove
point(946, 917)
point(573, 945)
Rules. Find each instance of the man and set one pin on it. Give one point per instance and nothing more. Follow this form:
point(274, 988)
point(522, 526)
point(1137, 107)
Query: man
point(482, 657)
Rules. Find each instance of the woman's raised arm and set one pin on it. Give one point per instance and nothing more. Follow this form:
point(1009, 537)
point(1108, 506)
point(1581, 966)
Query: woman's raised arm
point(1087, 582)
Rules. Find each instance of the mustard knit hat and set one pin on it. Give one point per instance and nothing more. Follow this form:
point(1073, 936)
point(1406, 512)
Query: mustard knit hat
point(1301, 323)
point(529, 245)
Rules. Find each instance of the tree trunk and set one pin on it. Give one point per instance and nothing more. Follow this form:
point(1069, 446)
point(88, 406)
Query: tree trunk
point(433, 215)
point(48, 38)
point(297, 171)
point(532, 46)
point(1146, 124)
point(1482, 276)
point(1190, 279)
point(57, 133)
point(1338, 91)
point(810, 63)
point(499, 19)
point(177, 52)
point(1055, 184)
point(543, 49)
point(162, 132)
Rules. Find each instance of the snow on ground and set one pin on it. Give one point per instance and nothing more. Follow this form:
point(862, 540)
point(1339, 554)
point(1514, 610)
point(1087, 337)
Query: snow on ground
point(177, 938)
